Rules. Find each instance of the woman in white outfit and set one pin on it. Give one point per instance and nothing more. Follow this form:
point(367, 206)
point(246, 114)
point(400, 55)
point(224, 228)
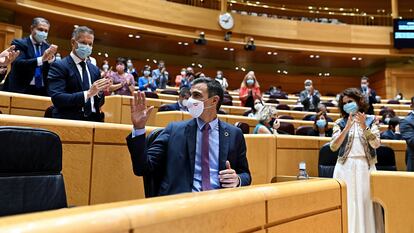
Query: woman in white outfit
point(356, 136)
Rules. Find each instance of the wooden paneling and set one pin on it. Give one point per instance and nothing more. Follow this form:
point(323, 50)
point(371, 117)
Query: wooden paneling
point(261, 154)
point(394, 191)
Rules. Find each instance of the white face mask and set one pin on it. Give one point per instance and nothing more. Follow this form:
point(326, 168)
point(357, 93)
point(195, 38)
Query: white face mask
point(307, 88)
point(184, 102)
point(258, 106)
point(196, 107)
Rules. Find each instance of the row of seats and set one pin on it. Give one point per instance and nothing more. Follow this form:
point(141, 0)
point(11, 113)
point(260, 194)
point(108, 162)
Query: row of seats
point(97, 165)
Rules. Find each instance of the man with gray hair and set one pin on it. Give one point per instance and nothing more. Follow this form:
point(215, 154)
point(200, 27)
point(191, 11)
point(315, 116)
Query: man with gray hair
point(309, 97)
point(75, 85)
point(29, 71)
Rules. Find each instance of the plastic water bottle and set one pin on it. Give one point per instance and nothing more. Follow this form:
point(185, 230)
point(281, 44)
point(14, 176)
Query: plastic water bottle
point(303, 175)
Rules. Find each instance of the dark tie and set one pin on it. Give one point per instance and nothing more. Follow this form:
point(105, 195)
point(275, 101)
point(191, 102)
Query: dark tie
point(205, 159)
point(85, 86)
point(38, 70)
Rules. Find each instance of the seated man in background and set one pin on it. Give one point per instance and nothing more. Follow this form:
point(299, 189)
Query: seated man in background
point(75, 85)
point(181, 104)
point(200, 154)
point(407, 133)
point(393, 132)
point(7, 57)
point(309, 97)
point(29, 71)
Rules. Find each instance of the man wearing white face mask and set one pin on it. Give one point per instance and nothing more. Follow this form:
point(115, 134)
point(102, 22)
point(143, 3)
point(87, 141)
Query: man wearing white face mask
point(75, 85)
point(181, 104)
point(309, 97)
point(200, 154)
point(29, 71)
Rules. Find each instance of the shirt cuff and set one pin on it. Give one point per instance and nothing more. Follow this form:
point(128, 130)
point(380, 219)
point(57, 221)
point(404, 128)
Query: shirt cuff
point(137, 132)
point(239, 181)
point(51, 60)
point(39, 61)
point(85, 95)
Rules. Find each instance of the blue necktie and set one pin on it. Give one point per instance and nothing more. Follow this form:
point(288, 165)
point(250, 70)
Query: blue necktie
point(38, 70)
point(85, 87)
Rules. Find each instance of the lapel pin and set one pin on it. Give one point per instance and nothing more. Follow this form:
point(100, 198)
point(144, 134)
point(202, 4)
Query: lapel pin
point(226, 134)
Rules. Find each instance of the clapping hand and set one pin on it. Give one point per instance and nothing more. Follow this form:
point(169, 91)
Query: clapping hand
point(349, 123)
point(360, 119)
point(229, 178)
point(98, 86)
point(8, 56)
point(139, 110)
point(49, 53)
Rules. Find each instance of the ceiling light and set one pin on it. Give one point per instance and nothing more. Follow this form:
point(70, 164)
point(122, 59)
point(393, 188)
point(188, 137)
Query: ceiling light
point(231, 49)
point(155, 61)
point(193, 64)
point(311, 56)
point(278, 71)
point(257, 3)
point(180, 43)
point(327, 74)
point(75, 26)
point(225, 49)
point(269, 53)
point(130, 35)
point(106, 55)
point(237, 68)
point(185, 43)
point(147, 59)
point(265, 6)
point(326, 8)
point(320, 74)
point(99, 54)
point(243, 69)
point(310, 7)
point(359, 58)
point(137, 36)
point(274, 53)
point(341, 9)
point(199, 65)
point(354, 58)
point(316, 56)
point(285, 72)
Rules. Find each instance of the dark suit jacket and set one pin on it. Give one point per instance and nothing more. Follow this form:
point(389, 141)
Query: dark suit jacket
point(65, 88)
point(407, 133)
point(23, 68)
point(169, 107)
point(174, 151)
point(372, 100)
point(390, 135)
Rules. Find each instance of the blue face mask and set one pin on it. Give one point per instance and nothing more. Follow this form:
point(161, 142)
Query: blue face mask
point(387, 120)
point(321, 123)
point(351, 108)
point(250, 82)
point(40, 36)
point(146, 73)
point(83, 51)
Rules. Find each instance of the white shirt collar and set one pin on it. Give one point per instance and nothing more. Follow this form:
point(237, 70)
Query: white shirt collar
point(75, 58)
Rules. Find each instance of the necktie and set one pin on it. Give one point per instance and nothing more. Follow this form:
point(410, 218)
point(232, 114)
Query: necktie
point(85, 86)
point(205, 159)
point(38, 70)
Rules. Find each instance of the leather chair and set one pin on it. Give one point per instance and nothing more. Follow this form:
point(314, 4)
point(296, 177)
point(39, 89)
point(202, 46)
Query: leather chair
point(272, 101)
point(287, 117)
point(152, 95)
point(393, 102)
point(30, 171)
point(152, 182)
point(328, 104)
point(326, 161)
point(286, 128)
point(49, 111)
point(299, 109)
point(279, 96)
point(386, 159)
point(227, 102)
point(243, 126)
point(169, 92)
point(283, 107)
point(303, 130)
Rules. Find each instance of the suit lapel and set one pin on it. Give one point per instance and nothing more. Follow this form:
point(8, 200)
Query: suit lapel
point(224, 137)
point(91, 71)
point(75, 70)
point(191, 136)
point(30, 47)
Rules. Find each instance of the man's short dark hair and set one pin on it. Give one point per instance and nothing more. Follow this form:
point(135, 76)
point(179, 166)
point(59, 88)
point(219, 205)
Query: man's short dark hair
point(213, 88)
point(38, 20)
point(80, 30)
point(365, 78)
point(184, 91)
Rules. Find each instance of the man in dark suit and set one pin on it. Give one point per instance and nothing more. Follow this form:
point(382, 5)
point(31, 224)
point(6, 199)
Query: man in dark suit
point(181, 104)
point(195, 155)
point(407, 133)
point(393, 132)
point(29, 71)
point(369, 94)
point(74, 83)
point(309, 97)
